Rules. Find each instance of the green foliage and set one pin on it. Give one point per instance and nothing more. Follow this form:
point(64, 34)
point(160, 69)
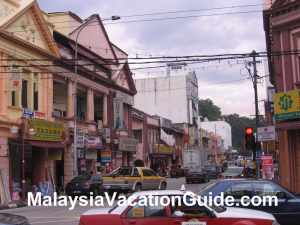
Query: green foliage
point(207, 109)
point(212, 112)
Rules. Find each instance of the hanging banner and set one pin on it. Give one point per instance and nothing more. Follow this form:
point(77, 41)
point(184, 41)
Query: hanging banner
point(118, 114)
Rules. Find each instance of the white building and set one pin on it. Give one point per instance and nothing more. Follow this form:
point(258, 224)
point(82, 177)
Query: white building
point(221, 128)
point(174, 96)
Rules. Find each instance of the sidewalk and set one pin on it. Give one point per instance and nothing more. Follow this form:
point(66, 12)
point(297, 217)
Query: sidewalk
point(12, 205)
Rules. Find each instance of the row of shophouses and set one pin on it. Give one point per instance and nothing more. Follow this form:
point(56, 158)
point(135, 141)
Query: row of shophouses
point(47, 97)
point(282, 28)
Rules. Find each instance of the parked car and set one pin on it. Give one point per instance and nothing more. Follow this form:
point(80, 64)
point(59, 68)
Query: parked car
point(173, 214)
point(177, 172)
point(196, 176)
point(233, 172)
point(286, 213)
point(127, 179)
point(10, 219)
point(212, 171)
point(84, 185)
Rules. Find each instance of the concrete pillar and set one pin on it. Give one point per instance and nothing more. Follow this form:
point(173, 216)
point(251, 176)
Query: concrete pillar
point(70, 99)
point(3, 86)
point(68, 164)
point(49, 91)
point(105, 112)
point(90, 105)
point(285, 173)
point(4, 159)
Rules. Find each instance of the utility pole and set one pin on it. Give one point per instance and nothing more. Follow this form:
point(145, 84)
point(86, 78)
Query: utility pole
point(254, 77)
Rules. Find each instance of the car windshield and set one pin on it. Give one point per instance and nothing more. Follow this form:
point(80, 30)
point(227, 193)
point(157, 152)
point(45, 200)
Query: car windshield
point(123, 171)
point(234, 170)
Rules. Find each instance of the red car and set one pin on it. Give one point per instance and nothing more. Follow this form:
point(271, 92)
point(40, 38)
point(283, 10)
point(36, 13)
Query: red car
point(174, 215)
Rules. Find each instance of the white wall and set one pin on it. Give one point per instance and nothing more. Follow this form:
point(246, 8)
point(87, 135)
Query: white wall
point(163, 96)
point(222, 128)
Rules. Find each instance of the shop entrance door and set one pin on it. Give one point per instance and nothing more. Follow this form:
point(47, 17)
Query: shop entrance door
point(59, 175)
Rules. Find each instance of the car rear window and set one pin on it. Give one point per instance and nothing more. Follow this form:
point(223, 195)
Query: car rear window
point(80, 178)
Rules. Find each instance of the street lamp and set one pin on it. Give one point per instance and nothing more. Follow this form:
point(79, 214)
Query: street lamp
point(75, 84)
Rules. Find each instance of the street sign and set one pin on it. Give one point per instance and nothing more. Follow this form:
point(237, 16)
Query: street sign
point(28, 113)
point(80, 138)
point(266, 133)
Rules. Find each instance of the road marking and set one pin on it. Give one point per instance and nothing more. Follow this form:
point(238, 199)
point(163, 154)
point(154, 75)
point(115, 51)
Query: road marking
point(54, 221)
point(71, 217)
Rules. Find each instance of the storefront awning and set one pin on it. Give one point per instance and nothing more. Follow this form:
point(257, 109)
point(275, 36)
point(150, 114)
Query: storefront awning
point(47, 144)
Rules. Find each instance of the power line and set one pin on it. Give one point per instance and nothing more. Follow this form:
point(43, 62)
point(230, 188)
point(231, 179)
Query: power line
point(190, 10)
point(157, 19)
point(179, 57)
point(184, 17)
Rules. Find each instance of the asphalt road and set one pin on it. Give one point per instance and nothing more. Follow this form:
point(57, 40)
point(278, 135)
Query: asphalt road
point(64, 216)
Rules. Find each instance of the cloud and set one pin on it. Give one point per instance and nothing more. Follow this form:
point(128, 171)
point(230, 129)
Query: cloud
point(203, 35)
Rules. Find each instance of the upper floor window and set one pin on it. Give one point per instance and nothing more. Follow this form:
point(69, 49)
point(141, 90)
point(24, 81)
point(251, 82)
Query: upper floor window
point(98, 107)
point(24, 94)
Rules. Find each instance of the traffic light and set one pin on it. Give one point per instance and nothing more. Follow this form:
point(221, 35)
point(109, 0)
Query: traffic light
point(249, 139)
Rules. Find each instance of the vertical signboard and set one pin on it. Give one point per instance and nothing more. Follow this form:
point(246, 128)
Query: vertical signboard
point(267, 167)
point(118, 114)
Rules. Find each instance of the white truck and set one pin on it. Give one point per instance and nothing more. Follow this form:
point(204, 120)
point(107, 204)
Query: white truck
point(193, 163)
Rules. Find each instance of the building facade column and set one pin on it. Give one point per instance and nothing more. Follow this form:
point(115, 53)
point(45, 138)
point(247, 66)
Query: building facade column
point(70, 99)
point(90, 105)
point(3, 86)
point(285, 168)
point(105, 110)
point(4, 158)
point(68, 164)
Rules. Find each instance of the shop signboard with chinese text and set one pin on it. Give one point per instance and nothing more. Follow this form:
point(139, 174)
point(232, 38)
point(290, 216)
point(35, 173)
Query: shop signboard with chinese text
point(128, 144)
point(106, 156)
point(287, 105)
point(164, 149)
point(45, 130)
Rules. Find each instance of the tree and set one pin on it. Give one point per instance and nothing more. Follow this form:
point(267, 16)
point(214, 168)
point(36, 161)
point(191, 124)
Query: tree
point(207, 109)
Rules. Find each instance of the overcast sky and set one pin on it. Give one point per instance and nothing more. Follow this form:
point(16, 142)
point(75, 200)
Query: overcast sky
point(200, 35)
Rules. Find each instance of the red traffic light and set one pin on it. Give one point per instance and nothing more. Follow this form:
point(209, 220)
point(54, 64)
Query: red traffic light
point(249, 131)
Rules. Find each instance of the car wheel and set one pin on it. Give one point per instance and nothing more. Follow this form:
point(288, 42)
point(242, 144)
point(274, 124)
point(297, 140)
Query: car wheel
point(163, 186)
point(138, 187)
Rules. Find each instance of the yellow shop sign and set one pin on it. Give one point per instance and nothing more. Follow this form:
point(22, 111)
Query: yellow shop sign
point(287, 105)
point(164, 149)
point(45, 130)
